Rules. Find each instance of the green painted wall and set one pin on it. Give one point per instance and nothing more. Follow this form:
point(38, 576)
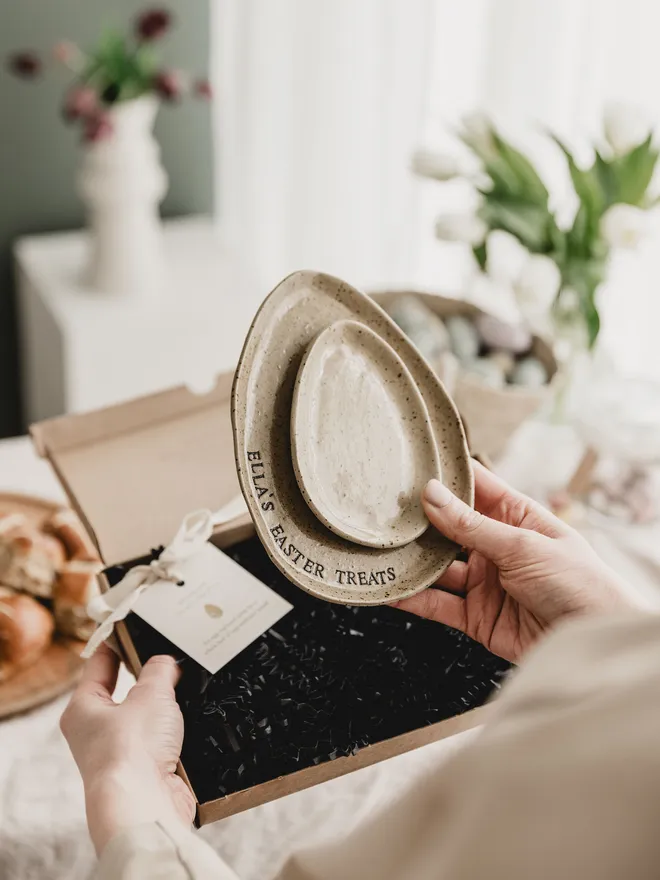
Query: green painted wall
point(38, 153)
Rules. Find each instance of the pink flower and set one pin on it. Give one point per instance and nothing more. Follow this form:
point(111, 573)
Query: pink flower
point(67, 53)
point(153, 24)
point(203, 89)
point(168, 84)
point(27, 65)
point(97, 128)
point(81, 103)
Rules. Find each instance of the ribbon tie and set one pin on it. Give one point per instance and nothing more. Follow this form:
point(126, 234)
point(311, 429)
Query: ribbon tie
point(117, 602)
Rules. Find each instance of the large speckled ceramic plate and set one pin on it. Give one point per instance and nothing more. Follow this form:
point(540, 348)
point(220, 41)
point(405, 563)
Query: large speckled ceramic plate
point(309, 553)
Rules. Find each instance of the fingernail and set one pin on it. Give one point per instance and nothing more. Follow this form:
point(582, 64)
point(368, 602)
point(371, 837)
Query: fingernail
point(163, 658)
point(437, 494)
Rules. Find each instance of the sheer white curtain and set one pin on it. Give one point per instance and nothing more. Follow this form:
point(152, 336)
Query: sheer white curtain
point(322, 102)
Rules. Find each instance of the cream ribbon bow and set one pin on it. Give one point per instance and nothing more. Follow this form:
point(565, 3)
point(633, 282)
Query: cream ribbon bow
point(117, 602)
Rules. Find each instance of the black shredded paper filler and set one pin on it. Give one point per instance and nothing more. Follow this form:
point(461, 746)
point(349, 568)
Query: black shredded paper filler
point(325, 682)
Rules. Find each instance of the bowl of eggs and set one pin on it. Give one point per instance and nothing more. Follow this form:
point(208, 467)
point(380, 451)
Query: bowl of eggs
point(498, 374)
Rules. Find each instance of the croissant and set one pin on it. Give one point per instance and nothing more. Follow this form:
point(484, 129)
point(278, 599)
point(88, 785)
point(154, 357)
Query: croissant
point(26, 630)
point(29, 559)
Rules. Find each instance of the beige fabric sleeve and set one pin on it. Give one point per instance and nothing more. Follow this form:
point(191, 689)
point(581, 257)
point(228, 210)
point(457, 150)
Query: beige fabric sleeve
point(160, 851)
point(563, 782)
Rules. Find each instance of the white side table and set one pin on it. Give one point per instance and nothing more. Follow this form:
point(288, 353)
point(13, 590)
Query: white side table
point(82, 350)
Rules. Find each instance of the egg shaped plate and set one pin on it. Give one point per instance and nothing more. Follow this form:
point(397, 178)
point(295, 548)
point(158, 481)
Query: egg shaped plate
point(365, 485)
point(293, 526)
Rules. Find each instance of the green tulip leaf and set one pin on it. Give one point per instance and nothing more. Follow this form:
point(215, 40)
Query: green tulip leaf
point(592, 319)
point(634, 172)
point(606, 175)
point(530, 224)
point(529, 184)
point(588, 189)
point(481, 255)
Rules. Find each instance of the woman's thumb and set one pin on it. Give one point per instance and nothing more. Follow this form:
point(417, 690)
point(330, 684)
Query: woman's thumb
point(467, 527)
point(159, 674)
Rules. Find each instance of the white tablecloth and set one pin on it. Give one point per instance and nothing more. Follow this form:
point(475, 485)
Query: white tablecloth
point(42, 825)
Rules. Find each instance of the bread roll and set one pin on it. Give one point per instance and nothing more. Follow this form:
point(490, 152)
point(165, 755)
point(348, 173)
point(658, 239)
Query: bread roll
point(74, 588)
point(66, 526)
point(53, 548)
point(72, 621)
point(10, 523)
point(26, 630)
point(29, 559)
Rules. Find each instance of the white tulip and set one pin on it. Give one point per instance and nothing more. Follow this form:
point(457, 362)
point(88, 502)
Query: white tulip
point(461, 227)
point(437, 166)
point(538, 284)
point(569, 300)
point(478, 132)
point(624, 226)
point(506, 256)
point(493, 296)
point(626, 126)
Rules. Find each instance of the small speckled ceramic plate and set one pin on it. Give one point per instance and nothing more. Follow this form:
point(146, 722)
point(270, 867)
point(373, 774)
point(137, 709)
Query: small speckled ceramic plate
point(364, 485)
point(291, 506)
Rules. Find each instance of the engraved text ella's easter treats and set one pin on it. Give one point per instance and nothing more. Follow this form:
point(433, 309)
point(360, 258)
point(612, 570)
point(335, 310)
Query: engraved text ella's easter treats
point(293, 522)
point(364, 482)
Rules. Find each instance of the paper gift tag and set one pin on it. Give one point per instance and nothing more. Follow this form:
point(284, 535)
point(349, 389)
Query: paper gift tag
point(220, 609)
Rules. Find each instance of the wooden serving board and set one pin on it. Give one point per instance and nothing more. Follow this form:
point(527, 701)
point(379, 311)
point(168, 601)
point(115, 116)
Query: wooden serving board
point(56, 671)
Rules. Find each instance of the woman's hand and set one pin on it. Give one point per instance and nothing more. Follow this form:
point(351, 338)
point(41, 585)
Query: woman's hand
point(526, 570)
point(127, 754)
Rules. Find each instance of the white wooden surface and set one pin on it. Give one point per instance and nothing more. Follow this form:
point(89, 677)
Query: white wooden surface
point(82, 350)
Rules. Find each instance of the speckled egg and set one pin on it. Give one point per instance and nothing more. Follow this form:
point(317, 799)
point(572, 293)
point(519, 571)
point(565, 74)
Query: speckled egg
point(422, 326)
point(514, 338)
point(465, 342)
point(487, 370)
point(504, 360)
point(529, 373)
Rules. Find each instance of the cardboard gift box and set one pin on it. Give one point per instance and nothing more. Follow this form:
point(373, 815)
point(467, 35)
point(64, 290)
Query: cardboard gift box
point(132, 472)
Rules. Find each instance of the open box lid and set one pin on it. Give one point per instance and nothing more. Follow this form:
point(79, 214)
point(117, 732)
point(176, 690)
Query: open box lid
point(133, 471)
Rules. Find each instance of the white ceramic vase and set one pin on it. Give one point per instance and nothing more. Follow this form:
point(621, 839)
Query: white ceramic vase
point(122, 183)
